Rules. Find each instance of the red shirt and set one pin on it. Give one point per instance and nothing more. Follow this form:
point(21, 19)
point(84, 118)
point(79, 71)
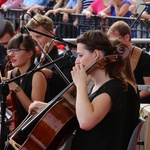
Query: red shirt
point(2, 1)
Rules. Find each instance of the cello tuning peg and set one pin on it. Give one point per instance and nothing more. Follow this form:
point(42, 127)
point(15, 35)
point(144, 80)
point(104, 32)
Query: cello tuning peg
point(106, 60)
point(117, 58)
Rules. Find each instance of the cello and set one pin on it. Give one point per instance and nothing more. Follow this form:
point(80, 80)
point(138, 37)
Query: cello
point(54, 127)
point(10, 102)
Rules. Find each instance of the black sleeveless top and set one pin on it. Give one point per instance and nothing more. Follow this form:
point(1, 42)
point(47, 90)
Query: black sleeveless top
point(114, 131)
point(26, 86)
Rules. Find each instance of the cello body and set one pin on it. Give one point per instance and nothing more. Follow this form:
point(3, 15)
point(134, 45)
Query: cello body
point(12, 107)
point(53, 129)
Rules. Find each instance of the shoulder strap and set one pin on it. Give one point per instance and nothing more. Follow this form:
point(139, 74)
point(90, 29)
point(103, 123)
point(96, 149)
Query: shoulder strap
point(136, 53)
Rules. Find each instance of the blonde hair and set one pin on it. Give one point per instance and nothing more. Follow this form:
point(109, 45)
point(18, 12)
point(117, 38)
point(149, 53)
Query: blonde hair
point(41, 20)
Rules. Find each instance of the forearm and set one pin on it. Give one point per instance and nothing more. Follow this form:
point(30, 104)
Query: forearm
point(24, 100)
point(83, 105)
point(41, 8)
point(121, 12)
point(58, 4)
point(69, 11)
point(145, 16)
point(144, 94)
point(84, 12)
point(65, 10)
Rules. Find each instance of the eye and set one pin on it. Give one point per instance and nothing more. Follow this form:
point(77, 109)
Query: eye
point(79, 55)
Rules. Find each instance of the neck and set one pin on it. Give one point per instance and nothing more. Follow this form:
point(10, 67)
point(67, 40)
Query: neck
point(106, 2)
point(23, 69)
point(119, 3)
point(128, 43)
point(48, 47)
point(99, 77)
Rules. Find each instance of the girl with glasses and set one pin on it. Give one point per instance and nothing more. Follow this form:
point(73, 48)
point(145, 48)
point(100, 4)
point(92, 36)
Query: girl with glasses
point(21, 53)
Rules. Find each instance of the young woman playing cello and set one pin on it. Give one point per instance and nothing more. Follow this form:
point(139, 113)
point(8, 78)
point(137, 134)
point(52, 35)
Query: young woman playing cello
point(21, 51)
point(109, 113)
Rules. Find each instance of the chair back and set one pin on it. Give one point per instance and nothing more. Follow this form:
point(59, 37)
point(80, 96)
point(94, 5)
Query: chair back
point(135, 135)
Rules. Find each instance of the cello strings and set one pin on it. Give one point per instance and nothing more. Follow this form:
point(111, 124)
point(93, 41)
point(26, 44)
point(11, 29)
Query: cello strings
point(27, 118)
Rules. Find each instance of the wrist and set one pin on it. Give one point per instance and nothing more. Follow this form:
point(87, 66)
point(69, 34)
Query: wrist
point(17, 89)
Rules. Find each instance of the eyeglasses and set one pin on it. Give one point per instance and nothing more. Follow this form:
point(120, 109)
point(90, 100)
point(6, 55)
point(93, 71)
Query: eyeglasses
point(14, 51)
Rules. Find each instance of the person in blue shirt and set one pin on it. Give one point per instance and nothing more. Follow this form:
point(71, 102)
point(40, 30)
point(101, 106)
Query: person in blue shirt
point(119, 8)
point(29, 3)
point(68, 30)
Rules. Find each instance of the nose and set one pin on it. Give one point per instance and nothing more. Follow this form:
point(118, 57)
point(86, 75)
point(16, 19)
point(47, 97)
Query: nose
point(5, 46)
point(77, 61)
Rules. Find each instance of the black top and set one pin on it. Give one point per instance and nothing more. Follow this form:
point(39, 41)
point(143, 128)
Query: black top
point(3, 61)
point(26, 86)
point(114, 131)
point(56, 84)
point(143, 70)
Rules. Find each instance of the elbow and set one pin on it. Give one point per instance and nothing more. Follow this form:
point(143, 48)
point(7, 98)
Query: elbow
point(85, 125)
point(119, 14)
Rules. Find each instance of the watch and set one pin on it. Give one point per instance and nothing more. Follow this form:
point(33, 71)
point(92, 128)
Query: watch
point(17, 89)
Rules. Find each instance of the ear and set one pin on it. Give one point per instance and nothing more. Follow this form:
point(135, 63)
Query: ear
point(127, 37)
point(96, 54)
point(30, 54)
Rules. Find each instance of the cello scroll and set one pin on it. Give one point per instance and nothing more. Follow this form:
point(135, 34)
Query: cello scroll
point(122, 52)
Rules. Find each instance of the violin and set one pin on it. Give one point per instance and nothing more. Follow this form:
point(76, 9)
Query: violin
point(57, 121)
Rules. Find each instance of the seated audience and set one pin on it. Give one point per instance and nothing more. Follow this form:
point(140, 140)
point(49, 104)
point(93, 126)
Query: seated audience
point(2, 2)
point(11, 4)
point(117, 8)
point(95, 7)
point(68, 30)
point(41, 8)
point(29, 3)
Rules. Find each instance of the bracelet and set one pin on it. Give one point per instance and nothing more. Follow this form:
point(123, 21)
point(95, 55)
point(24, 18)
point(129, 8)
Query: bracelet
point(17, 89)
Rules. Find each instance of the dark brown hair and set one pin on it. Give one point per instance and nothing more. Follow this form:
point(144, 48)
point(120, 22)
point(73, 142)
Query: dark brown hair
point(8, 28)
point(26, 41)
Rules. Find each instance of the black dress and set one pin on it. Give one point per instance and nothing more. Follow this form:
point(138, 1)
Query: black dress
point(143, 70)
point(114, 131)
point(26, 86)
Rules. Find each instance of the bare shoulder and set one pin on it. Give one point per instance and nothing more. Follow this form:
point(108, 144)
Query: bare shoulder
point(38, 74)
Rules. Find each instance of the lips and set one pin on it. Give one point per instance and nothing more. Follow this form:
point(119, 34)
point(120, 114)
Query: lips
point(13, 60)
